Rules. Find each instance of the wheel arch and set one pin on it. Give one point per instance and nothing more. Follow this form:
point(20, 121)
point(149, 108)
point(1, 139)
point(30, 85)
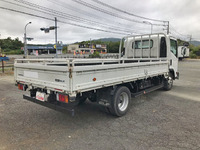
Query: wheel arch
point(173, 73)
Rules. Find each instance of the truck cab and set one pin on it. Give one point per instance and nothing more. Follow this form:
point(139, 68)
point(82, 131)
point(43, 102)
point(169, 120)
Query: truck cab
point(152, 46)
point(183, 52)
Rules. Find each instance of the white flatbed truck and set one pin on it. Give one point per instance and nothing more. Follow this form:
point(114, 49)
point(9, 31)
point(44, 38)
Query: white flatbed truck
point(145, 63)
point(183, 52)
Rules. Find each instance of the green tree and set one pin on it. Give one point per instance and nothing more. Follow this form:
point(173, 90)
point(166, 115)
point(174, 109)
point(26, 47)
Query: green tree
point(95, 55)
point(10, 46)
point(113, 47)
point(194, 51)
point(64, 50)
point(16, 44)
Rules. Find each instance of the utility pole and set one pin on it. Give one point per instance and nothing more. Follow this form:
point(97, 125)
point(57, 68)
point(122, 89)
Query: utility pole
point(167, 27)
point(46, 30)
point(90, 44)
point(0, 45)
point(25, 45)
point(56, 35)
point(190, 38)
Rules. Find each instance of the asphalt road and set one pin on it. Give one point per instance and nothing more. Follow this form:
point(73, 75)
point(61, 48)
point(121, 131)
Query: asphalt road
point(160, 120)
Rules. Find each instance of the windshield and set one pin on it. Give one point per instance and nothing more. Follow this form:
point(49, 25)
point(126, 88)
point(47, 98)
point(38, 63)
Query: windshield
point(173, 47)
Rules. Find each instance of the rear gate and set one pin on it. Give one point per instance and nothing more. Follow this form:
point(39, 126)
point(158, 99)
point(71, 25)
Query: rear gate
point(56, 77)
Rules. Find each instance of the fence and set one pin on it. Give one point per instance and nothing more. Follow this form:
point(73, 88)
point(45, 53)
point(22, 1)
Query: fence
point(6, 66)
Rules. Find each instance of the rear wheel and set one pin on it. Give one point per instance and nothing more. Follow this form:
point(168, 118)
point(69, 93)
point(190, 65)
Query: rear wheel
point(168, 83)
point(81, 99)
point(120, 102)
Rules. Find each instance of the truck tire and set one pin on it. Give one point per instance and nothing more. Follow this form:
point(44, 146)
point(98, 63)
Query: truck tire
point(81, 99)
point(120, 102)
point(168, 83)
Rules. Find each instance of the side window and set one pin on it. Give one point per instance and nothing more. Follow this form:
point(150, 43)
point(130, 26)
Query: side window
point(173, 47)
point(142, 45)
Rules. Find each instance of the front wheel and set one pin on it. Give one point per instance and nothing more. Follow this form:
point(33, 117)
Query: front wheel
point(121, 101)
point(168, 83)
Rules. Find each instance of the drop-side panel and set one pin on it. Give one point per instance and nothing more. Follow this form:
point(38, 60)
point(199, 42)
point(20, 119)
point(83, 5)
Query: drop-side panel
point(92, 77)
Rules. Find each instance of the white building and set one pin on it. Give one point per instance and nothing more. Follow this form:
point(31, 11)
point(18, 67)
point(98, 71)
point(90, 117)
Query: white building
point(87, 48)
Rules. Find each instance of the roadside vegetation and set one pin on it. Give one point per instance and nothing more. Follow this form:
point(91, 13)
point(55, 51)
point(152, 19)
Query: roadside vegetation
point(95, 55)
point(194, 50)
point(10, 46)
point(64, 51)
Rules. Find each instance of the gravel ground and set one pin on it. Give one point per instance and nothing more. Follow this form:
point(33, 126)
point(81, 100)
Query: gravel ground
point(160, 120)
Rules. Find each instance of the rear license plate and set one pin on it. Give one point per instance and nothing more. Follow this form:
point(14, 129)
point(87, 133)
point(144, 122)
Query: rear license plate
point(40, 96)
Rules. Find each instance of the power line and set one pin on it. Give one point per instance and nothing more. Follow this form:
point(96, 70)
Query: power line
point(68, 16)
point(54, 11)
point(109, 13)
point(120, 25)
point(177, 31)
point(178, 34)
point(13, 10)
point(30, 14)
point(81, 11)
point(74, 18)
point(131, 14)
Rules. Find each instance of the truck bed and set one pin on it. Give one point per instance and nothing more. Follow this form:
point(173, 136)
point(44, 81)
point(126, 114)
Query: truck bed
point(80, 75)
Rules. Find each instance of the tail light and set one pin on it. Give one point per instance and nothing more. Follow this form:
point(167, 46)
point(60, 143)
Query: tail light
point(20, 87)
point(62, 98)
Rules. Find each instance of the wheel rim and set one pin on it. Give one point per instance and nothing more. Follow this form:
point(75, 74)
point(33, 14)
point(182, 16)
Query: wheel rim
point(123, 101)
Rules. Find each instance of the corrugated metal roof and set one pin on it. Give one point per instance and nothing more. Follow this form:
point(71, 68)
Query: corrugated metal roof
point(45, 47)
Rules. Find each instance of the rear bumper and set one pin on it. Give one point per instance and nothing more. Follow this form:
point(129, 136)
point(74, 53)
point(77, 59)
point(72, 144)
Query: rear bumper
point(56, 105)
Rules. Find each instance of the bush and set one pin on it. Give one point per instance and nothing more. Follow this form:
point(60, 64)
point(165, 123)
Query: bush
point(13, 52)
point(192, 55)
point(113, 47)
point(95, 55)
point(64, 50)
point(194, 51)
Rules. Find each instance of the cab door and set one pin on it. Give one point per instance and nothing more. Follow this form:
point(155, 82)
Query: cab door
point(173, 56)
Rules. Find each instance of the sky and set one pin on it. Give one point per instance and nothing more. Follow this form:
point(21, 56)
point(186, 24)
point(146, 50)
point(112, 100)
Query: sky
point(75, 17)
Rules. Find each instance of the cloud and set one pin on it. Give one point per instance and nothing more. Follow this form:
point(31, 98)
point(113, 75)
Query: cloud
point(183, 16)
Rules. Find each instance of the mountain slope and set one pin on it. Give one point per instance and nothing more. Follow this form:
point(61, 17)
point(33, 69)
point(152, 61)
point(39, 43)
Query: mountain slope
point(195, 43)
point(108, 39)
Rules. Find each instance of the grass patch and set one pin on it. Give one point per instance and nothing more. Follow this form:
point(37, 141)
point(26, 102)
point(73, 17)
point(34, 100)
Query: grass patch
point(14, 52)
